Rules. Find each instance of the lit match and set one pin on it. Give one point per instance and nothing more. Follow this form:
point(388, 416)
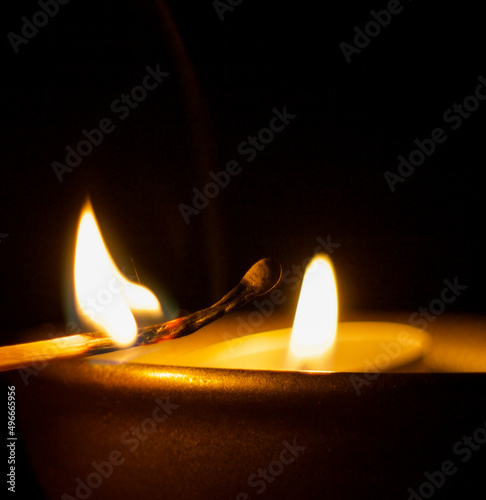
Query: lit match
point(259, 279)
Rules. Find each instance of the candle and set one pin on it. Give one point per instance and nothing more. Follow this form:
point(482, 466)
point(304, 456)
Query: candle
point(359, 346)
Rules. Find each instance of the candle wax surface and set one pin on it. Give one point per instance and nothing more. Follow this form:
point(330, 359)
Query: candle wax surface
point(359, 346)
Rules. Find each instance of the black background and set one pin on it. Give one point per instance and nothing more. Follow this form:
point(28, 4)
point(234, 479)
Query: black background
point(323, 176)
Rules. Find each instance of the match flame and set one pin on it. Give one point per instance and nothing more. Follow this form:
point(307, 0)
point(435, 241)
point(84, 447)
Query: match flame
point(104, 297)
point(315, 322)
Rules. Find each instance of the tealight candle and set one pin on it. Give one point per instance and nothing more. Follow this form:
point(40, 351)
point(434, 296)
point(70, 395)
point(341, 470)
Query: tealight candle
point(359, 346)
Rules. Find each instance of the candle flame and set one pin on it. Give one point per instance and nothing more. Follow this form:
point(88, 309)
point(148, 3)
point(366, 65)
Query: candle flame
point(315, 323)
point(104, 297)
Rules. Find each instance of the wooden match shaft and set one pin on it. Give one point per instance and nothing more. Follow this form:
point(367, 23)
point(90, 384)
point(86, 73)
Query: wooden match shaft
point(73, 346)
point(260, 279)
point(32, 353)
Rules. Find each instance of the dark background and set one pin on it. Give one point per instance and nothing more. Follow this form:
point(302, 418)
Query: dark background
point(323, 176)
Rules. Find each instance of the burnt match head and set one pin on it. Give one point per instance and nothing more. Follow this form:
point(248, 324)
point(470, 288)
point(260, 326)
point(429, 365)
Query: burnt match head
point(259, 279)
point(262, 276)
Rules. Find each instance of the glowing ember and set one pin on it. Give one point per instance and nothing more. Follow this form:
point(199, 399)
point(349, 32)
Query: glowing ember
point(315, 322)
point(104, 297)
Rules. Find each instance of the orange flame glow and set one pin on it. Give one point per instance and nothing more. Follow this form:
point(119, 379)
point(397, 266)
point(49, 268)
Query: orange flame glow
point(104, 297)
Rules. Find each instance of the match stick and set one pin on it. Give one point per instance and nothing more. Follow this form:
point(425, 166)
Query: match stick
point(259, 279)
